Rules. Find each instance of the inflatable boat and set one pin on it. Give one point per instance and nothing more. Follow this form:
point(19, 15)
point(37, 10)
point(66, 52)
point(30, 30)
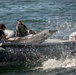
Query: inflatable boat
point(20, 46)
point(15, 52)
point(35, 51)
point(9, 33)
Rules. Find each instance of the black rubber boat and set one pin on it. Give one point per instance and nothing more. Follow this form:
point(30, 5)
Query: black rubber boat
point(13, 52)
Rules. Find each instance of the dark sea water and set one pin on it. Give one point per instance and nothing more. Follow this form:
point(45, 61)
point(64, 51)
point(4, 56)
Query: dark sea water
point(38, 15)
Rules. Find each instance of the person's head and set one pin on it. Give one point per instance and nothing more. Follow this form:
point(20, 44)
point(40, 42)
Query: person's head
point(2, 26)
point(19, 22)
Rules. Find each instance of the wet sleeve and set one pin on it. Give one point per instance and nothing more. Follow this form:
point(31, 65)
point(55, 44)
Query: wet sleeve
point(25, 27)
point(1, 32)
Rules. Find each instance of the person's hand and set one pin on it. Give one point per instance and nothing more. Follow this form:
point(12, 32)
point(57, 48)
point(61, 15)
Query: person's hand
point(28, 31)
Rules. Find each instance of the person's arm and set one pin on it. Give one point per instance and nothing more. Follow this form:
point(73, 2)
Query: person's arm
point(5, 39)
point(16, 31)
point(28, 31)
point(25, 27)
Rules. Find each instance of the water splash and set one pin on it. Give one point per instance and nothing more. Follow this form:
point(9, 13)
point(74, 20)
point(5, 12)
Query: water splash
point(62, 63)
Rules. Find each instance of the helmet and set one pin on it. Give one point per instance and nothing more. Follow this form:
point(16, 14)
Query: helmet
point(2, 26)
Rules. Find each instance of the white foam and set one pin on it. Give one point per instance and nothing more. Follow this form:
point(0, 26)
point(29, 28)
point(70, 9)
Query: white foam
point(53, 63)
point(55, 40)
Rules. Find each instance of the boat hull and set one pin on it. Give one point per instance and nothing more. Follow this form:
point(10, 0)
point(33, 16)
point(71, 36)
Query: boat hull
point(37, 52)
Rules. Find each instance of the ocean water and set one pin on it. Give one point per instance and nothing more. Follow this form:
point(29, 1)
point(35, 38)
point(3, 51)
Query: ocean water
point(38, 15)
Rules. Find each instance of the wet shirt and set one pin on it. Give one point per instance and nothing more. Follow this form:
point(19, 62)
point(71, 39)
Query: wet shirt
point(22, 30)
